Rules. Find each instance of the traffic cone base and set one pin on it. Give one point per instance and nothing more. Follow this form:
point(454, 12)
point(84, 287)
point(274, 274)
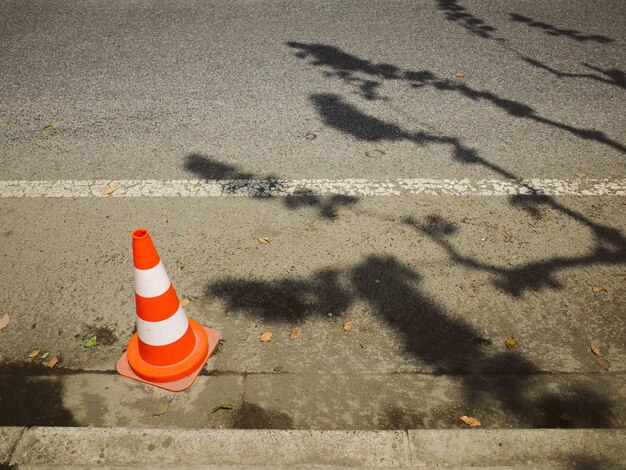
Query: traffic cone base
point(176, 377)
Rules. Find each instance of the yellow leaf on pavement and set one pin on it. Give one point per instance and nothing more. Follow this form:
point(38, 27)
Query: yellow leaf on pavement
point(184, 302)
point(53, 362)
point(459, 75)
point(34, 353)
point(596, 349)
point(295, 333)
point(263, 241)
point(266, 337)
point(347, 326)
point(511, 343)
point(473, 422)
point(110, 190)
point(4, 321)
point(598, 289)
point(603, 363)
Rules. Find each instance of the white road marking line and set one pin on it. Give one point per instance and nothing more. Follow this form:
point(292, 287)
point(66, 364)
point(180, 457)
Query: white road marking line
point(310, 187)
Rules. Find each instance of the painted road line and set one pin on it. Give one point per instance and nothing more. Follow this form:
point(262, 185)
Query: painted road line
point(310, 187)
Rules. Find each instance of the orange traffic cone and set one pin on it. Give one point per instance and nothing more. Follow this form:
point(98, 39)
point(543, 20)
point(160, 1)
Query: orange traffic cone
point(168, 350)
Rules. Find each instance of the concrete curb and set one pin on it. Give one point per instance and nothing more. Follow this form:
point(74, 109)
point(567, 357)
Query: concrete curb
point(59, 447)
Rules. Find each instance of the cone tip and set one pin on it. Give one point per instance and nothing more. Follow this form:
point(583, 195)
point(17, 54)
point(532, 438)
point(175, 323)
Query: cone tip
point(140, 233)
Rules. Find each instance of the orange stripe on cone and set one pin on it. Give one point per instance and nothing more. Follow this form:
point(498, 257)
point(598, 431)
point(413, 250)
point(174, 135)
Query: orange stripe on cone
point(157, 308)
point(168, 350)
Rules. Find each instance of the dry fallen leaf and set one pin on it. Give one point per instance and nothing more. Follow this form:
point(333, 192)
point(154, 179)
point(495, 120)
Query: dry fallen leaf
point(603, 363)
point(473, 422)
point(34, 353)
point(263, 241)
point(49, 127)
point(4, 321)
point(188, 231)
point(184, 302)
point(223, 406)
point(353, 82)
point(53, 362)
point(45, 355)
point(511, 343)
point(595, 349)
point(266, 337)
point(110, 190)
point(374, 153)
point(598, 289)
point(295, 333)
point(347, 326)
point(162, 409)
point(459, 75)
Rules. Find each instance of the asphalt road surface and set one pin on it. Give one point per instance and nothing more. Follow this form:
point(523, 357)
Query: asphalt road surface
point(445, 174)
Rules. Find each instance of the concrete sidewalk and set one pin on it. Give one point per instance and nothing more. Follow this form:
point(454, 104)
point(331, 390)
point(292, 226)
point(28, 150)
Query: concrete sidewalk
point(116, 447)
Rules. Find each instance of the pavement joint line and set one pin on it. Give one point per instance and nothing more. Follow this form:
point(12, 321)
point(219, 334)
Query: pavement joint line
point(309, 187)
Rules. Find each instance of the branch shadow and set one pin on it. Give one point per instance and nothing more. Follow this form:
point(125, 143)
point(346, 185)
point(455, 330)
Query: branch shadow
point(210, 169)
point(611, 76)
point(609, 249)
point(461, 16)
point(327, 206)
point(372, 129)
point(233, 180)
point(338, 114)
point(555, 31)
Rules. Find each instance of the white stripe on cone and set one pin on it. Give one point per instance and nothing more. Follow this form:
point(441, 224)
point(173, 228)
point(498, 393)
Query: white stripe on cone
point(161, 333)
point(151, 282)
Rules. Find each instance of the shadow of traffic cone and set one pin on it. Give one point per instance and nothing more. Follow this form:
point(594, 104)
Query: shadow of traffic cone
point(169, 350)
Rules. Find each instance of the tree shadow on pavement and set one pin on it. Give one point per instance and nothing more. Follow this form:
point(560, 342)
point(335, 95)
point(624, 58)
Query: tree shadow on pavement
point(609, 243)
point(210, 169)
point(234, 180)
point(285, 299)
point(427, 332)
point(392, 289)
point(328, 206)
point(609, 249)
point(461, 16)
point(360, 124)
point(611, 76)
point(31, 396)
point(555, 31)
point(251, 416)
